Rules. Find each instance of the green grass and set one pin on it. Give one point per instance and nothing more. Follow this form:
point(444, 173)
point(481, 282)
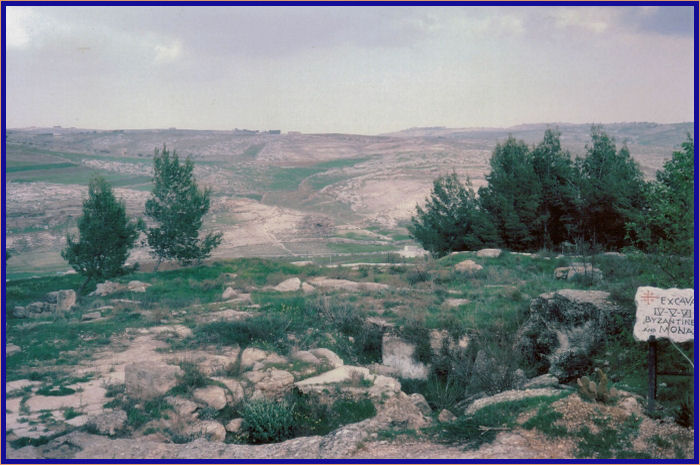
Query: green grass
point(29, 167)
point(345, 247)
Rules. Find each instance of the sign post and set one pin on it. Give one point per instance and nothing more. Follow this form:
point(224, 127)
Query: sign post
point(663, 313)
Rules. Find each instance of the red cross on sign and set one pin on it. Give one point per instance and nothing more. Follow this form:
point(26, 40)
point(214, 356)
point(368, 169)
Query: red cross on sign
point(648, 297)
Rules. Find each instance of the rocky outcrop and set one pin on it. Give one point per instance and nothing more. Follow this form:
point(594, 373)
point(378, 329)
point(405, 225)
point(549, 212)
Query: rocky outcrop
point(563, 331)
point(110, 287)
point(288, 285)
point(108, 423)
point(489, 253)
point(211, 396)
point(578, 271)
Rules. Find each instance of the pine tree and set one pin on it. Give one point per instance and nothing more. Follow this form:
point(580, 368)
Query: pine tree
point(177, 205)
point(106, 235)
point(512, 197)
point(451, 219)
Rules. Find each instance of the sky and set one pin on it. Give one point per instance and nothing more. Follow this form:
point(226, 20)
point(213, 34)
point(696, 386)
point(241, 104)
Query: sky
point(350, 69)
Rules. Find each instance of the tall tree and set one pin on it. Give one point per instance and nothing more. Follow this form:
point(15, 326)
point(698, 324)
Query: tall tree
point(558, 208)
point(451, 219)
point(177, 206)
point(513, 195)
point(106, 235)
point(612, 190)
point(666, 225)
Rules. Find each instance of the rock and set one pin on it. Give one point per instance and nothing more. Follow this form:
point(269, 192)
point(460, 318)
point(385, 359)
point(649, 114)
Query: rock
point(614, 254)
point(518, 379)
point(399, 354)
point(446, 416)
point(91, 316)
point(137, 286)
point(64, 299)
point(343, 374)
point(489, 253)
point(235, 389)
point(383, 387)
point(176, 330)
point(11, 349)
point(509, 396)
point(20, 312)
point(468, 266)
point(250, 356)
point(182, 407)
point(412, 251)
point(275, 383)
point(400, 412)
point(307, 288)
point(306, 357)
point(147, 380)
point(631, 405)
point(563, 330)
point(108, 423)
point(211, 430)
point(234, 426)
point(454, 303)
point(420, 402)
point(545, 380)
point(578, 270)
point(329, 356)
point(288, 285)
point(229, 293)
point(489, 375)
point(212, 396)
point(107, 288)
point(346, 285)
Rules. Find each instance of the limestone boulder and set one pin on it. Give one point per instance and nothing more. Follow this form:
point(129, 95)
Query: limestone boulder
point(235, 390)
point(446, 416)
point(328, 356)
point(275, 383)
point(234, 426)
point(64, 300)
point(306, 357)
point(563, 330)
point(147, 380)
point(307, 288)
point(211, 430)
point(229, 293)
point(468, 266)
point(252, 355)
point(578, 271)
point(420, 402)
point(211, 396)
point(137, 286)
point(288, 285)
point(489, 253)
point(107, 288)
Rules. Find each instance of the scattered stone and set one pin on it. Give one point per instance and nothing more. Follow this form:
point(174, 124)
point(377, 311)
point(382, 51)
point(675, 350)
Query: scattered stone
point(229, 293)
point(399, 354)
point(563, 330)
point(107, 288)
point(578, 270)
point(329, 356)
point(545, 380)
point(108, 423)
point(91, 316)
point(137, 286)
point(446, 416)
point(147, 380)
point(250, 356)
point(288, 285)
point(211, 430)
point(489, 253)
point(509, 396)
point(11, 349)
point(307, 288)
point(306, 357)
point(468, 266)
point(234, 426)
point(182, 407)
point(235, 392)
point(212, 396)
point(64, 299)
point(420, 402)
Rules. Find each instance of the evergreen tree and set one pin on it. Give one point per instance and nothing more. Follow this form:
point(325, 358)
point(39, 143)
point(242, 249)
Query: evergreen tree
point(512, 197)
point(666, 224)
point(451, 219)
point(558, 208)
point(612, 191)
point(106, 235)
point(177, 205)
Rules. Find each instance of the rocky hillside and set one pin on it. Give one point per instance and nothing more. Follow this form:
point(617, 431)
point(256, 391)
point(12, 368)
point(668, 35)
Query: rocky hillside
point(473, 356)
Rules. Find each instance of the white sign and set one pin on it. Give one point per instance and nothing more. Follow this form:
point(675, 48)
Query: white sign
point(665, 313)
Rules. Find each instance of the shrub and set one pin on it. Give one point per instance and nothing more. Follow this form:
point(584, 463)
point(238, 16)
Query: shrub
point(267, 421)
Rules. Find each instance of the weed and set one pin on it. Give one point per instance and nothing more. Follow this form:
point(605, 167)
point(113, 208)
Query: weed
point(611, 441)
point(191, 379)
point(55, 391)
point(545, 421)
point(267, 421)
point(70, 412)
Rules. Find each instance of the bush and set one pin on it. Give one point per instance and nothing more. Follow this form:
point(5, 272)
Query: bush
point(267, 421)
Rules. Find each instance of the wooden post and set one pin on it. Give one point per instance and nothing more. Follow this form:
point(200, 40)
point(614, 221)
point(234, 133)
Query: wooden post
point(651, 396)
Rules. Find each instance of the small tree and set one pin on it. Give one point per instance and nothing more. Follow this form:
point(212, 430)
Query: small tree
point(106, 235)
point(451, 219)
point(177, 205)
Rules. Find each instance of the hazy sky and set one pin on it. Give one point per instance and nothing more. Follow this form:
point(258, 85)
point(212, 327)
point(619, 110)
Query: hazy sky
point(357, 69)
